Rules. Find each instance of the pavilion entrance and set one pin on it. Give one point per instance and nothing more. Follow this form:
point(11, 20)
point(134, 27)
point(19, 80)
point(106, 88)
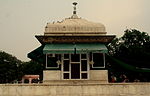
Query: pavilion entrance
point(75, 66)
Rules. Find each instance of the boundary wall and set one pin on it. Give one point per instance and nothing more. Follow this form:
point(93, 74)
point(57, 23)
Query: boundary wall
point(108, 89)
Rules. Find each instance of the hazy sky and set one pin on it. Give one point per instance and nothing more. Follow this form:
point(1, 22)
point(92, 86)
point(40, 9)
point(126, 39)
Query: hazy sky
point(21, 20)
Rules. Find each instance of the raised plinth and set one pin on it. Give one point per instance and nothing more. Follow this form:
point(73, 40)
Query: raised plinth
point(95, 77)
point(109, 89)
point(75, 82)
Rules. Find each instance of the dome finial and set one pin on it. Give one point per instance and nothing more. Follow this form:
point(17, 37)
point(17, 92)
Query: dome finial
point(74, 3)
point(74, 16)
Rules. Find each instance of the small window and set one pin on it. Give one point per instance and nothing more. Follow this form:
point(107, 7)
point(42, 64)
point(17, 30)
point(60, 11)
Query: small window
point(84, 65)
point(52, 60)
point(66, 65)
point(84, 75)
point(66, 75)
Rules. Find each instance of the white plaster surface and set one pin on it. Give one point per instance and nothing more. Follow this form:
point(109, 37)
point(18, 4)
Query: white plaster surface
point(51, 75)
point(71, 25)
point(54, 76)
point(101, 75)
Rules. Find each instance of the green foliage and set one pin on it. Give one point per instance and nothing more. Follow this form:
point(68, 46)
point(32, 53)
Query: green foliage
point(32, 68)
point(130, 41)
point(8, 67)
point(13, 69)
point(133, 48)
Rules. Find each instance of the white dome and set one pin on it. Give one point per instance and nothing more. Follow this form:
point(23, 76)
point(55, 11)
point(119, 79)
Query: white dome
point(74, 25)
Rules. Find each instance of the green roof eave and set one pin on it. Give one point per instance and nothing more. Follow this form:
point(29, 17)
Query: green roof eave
point(74, 48)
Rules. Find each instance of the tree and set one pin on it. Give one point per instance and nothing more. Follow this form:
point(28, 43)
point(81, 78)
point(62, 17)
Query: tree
point(12, 68)
point(32, 68)
point(132, 47)
point(8, 67)
point(132, 50)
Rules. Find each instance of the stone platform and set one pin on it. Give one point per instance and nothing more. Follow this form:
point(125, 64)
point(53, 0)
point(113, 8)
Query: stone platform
point(76, 89)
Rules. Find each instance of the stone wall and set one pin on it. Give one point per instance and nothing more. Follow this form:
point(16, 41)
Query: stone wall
point(121, 89)
point(100, 75)
point(51, 75)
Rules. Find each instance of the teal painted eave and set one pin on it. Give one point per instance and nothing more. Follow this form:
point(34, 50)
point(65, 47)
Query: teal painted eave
point(71, 48)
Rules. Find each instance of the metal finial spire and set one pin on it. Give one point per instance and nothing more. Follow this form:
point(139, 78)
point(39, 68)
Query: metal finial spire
point(74, 3)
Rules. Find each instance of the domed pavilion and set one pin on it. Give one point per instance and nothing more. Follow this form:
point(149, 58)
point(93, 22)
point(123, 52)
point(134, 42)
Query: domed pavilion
point(73, 50)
